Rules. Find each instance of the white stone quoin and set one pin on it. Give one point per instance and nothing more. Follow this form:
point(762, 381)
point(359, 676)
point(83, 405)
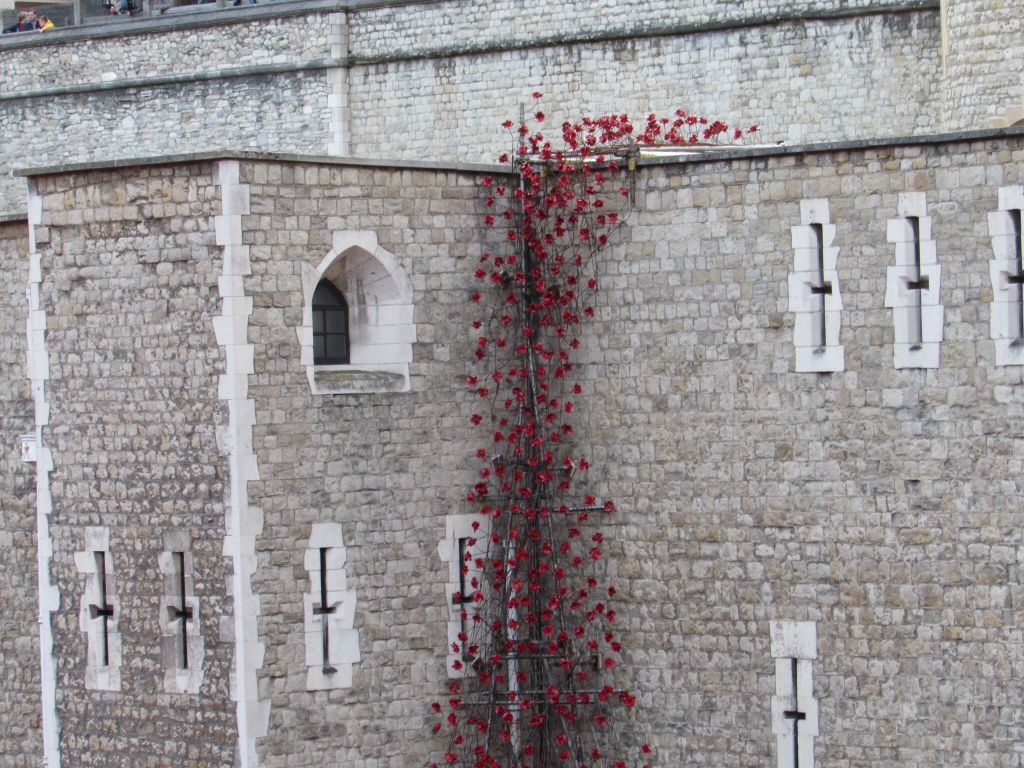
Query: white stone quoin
point(38, 370)
point(244, 521)
point(337, 99)
point(814, 266)
point(794, 645)
point(911, 349)
point(474, 530)
point(103, 635)
point(335, 671)
point(1007, 297)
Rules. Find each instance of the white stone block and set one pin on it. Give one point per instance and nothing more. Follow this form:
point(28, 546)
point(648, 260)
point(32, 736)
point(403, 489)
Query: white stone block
point(227, 230)
point(924, 355)
point(899, 294)
point(803, 238)
point(239, 306)
point(794, 639)
point(1011, 198)
point(225, 172)
point(378, 354)
point(1001, 224)
point(231, 285)
point(814, 211)
point(907, 254)
point(911, 204)
point(235, 200)
point(365, 240)
point(1004, 248)
point(375, 334)
point(902, 230)
point(236, 259)
point(810, 359)
point(227, 328)
point(240, 360)
point(1009, 353)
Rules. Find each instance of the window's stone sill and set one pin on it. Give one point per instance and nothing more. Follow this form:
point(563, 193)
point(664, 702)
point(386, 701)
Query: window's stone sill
point(360, 379)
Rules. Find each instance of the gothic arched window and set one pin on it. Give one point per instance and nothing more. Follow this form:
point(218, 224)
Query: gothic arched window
point(330, 326)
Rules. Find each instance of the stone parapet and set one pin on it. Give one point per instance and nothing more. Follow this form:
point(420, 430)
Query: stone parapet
point(376, 80)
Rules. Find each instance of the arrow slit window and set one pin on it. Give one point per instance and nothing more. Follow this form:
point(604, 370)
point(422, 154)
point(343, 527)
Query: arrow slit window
point(464, 549)
point(912, 286)
point(794, 708)
point(814, 297)
point(332, 643)
point(182, 648)
point(99, 615)
point(1006, 271)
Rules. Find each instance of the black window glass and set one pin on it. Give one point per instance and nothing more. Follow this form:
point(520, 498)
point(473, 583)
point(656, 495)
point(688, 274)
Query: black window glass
point(330, 326)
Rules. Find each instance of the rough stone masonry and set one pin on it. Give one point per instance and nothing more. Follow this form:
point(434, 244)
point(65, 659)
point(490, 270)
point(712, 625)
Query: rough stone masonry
point(170, 442)
point(880, 504)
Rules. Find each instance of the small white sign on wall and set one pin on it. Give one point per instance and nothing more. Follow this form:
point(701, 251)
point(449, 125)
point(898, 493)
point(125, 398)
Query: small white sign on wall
point(28, 448)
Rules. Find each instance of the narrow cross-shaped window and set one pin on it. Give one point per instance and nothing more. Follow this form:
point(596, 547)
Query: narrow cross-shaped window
point(181, 612)
point(1017, 278)
point(323, 610)
point(101, 609)
point(795, 715)
point(794, 710)
point(916, 283)
point(464, 548)
point(1006, 271)
point(815, 298)
point(463, 596)
point(912, 285)
point(329, 608)
point(182, 648)
point(822, 289)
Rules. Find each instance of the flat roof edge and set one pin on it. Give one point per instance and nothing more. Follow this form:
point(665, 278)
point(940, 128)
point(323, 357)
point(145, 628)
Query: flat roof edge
point(284, 157)
point(725, 152)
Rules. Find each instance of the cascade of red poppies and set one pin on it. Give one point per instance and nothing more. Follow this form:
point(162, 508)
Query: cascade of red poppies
point(536, 659)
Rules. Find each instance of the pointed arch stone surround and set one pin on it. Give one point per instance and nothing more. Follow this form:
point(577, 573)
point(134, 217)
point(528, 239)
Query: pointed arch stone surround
point(381, 328)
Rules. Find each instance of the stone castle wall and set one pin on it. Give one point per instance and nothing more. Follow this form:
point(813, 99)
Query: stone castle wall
point(380, 81)
point(983, 61)
point(879, 503)
point(129, 286)
point(379, 31)
point(68, 100)
point(799, 81)
point(385, 466)
point(20, 707)
point(181, 52)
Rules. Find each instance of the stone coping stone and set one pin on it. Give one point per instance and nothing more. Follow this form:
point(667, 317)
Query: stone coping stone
point(13, 218)
point(727, 152)
point(710, 154)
